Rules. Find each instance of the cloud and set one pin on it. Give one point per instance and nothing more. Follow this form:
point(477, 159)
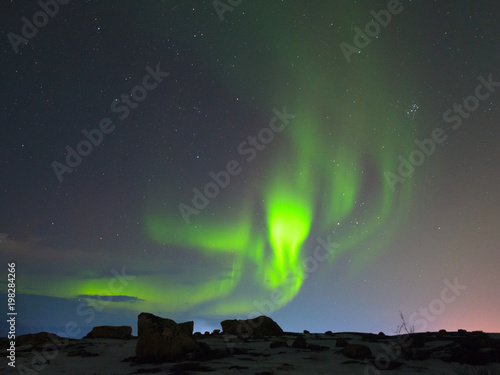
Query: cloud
point(35, 256)
point(111, 298)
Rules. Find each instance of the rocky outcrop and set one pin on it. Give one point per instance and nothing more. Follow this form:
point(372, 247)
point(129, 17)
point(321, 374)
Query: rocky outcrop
point(188, 327)
point(40, 339)
point(259, 327)
point(110, 332)
point(278, 344)
point(162, 339)
point(357, 351)
point(299, 342)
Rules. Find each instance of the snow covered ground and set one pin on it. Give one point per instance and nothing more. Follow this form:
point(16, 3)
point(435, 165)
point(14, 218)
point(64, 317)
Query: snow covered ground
point(114, 357)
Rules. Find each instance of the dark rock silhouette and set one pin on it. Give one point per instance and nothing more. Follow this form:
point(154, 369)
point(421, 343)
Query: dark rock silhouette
point(357, 351)
point(259, 327)
point(299, 342)
point(188, 327)
point(40, 339)
point(110, 332)
point(161, 339)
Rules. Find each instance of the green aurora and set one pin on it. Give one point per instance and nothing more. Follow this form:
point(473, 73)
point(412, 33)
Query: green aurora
point(326, 173)
point(318, 182)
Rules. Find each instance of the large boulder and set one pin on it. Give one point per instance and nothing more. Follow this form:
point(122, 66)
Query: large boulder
point(188, 327)
point(164, 340)
point(299, 342)
point(357, 351)
point(110, 332)
point(259, 327)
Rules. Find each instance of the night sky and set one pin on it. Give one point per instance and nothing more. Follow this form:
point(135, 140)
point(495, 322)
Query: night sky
point(326, 163)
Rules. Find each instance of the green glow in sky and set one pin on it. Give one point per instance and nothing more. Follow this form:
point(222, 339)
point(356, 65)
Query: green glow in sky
point(324, 176)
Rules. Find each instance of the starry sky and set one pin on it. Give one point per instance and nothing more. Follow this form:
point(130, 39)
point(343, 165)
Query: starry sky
point(329, 164)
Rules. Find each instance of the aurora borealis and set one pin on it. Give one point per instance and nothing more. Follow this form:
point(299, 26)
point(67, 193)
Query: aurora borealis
point(261, 175)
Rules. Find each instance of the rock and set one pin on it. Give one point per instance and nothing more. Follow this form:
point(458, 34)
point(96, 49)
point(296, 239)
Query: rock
point(341, 342)
point(278, 344)
point(252, 328)
point(306, 332)
point(206, 351)
point(357, 351)
point(163, 339)
point(110, 332)
point(216, 332)
point(299, 342)
point(40, 339)
point(188, 327)
point(478, 333)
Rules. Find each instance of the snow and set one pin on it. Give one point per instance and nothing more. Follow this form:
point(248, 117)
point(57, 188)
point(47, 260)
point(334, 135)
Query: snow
point(257, 358)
